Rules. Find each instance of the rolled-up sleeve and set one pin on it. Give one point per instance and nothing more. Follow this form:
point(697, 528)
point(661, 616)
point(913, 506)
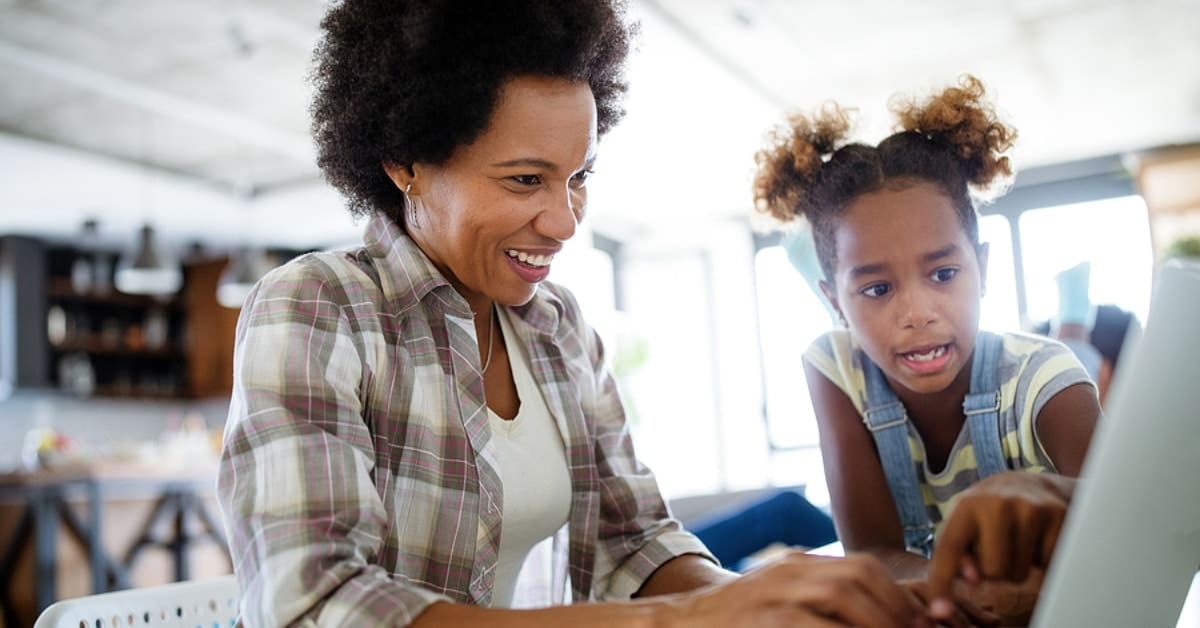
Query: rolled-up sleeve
point(304, 520)
point(637, 534)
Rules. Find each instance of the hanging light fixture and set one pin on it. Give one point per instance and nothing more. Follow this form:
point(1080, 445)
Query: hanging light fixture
point(147, 269)
point(244, 270)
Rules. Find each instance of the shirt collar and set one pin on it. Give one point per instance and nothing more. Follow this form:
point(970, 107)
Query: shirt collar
point(406, 275)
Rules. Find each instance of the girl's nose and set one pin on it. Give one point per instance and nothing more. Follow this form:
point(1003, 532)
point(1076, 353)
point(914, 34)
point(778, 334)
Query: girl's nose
point(916, 311)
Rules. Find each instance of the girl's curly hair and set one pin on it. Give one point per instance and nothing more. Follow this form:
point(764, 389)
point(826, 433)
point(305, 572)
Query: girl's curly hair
point(402, 81)
point(810, 170)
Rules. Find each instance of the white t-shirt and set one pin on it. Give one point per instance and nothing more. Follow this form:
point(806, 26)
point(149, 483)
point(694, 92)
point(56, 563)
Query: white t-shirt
point(533, 470)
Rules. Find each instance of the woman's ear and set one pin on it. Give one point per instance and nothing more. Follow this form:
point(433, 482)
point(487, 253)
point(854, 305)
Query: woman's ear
point(400, 174)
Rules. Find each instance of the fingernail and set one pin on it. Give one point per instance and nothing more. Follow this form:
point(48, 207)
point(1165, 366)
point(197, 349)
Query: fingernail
point(941, 607)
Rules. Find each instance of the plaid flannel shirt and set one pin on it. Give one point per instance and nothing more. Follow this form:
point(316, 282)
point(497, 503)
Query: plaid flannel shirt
point(357, 482)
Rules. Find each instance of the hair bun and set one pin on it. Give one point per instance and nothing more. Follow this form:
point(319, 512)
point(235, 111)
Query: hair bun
point(790, 163)
point(961, 119)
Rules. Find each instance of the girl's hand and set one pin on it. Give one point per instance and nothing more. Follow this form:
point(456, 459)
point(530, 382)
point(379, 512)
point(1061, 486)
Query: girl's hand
point(798, 589)
point(968, 610)
point(1001, 529)
point(1012, 603)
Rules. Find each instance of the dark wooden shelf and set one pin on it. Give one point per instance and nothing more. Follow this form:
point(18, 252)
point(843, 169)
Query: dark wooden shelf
point(93, 345)
point(113, 392)
point(60, 289)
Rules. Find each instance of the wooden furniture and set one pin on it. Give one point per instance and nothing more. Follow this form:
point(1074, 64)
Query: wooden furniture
point(131, 510)
point(45, 505)
point(1166, 178)
point(71, 330)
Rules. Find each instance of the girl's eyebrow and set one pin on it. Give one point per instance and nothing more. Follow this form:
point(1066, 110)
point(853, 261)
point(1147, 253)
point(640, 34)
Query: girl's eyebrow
point(865, 269)
point(933, 256)
point(942, 253)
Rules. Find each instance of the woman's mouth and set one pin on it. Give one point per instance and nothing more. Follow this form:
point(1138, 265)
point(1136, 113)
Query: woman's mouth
point(530, 267)
point(533, 261)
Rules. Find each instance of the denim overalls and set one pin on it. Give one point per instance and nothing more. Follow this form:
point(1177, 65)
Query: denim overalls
point(888, 423)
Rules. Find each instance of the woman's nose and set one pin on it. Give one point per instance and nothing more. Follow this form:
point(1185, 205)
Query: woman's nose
point(560, 219)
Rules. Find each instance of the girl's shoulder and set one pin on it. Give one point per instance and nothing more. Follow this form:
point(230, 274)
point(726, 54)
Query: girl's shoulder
point(833, 342)
point(1028, 349)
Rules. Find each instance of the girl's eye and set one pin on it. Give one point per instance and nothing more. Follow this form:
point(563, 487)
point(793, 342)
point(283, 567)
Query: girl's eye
point(876, 290)
point(944, 274)
point(527, 179)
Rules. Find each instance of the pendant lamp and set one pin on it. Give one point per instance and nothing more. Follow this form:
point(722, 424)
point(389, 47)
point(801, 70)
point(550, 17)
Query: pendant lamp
point(244, 270)
point(147, 268)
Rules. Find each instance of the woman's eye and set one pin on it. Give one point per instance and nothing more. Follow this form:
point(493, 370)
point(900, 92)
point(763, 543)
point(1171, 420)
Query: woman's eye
point(876, 290)
point(580, 178)
point(944, 274)
point(527, 179)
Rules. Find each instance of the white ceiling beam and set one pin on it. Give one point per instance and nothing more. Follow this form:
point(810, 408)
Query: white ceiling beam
point(185, 110)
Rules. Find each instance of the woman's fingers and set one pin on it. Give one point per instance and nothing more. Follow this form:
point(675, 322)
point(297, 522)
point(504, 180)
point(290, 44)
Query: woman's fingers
point(855, 590)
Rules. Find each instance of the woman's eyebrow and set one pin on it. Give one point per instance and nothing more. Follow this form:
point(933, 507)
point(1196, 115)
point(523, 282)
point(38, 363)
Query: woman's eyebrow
point(533, 162)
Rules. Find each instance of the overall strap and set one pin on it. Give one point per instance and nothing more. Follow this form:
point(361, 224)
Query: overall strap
point(982, 405)
point(887, 420)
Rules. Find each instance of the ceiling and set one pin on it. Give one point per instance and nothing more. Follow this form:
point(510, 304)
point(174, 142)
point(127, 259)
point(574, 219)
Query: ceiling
point(192, 114)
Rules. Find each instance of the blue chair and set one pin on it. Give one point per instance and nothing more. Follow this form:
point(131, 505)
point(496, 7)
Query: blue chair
point(783, 517)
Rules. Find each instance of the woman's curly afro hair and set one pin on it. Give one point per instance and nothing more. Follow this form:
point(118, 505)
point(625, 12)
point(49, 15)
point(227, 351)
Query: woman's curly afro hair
point(953, 140)
point(404, 82)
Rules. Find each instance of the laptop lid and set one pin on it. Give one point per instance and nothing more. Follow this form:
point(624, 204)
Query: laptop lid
point(1131, 543)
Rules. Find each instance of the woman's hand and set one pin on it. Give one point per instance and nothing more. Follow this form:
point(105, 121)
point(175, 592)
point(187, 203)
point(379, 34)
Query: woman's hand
point(798, 589)
point(1001, 529)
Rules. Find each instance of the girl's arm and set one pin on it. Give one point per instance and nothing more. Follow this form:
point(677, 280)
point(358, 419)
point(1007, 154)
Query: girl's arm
point(1065, 424)
point(863, 510)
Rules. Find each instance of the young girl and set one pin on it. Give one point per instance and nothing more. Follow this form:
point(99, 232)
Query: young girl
point(914, 403)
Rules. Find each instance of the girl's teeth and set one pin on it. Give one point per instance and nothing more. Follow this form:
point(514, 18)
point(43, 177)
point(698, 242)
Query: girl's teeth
point(925, 357)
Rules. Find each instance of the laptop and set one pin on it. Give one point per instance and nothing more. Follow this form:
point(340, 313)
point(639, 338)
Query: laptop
point(1130, 546)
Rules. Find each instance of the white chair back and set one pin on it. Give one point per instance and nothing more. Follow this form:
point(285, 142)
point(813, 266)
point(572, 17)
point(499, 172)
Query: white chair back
point(210, 603)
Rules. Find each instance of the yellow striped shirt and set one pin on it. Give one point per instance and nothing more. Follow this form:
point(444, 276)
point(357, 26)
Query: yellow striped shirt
point(1032, 370)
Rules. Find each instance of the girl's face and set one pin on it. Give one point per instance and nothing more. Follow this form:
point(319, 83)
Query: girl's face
point(494, 215)
point(908, 283)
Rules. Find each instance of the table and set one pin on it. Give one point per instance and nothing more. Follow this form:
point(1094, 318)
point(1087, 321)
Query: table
point(45, 499)
point(45, 494)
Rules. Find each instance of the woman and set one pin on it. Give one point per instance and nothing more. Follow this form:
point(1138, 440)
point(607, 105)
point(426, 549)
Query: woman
point(410, 417)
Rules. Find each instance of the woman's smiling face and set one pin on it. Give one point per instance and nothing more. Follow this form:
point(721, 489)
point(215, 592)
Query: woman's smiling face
point(492, 217)
point(908, 282)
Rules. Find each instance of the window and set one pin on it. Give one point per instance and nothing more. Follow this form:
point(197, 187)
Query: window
point(1117, 244)
point(999, 310)
point(790, 317)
